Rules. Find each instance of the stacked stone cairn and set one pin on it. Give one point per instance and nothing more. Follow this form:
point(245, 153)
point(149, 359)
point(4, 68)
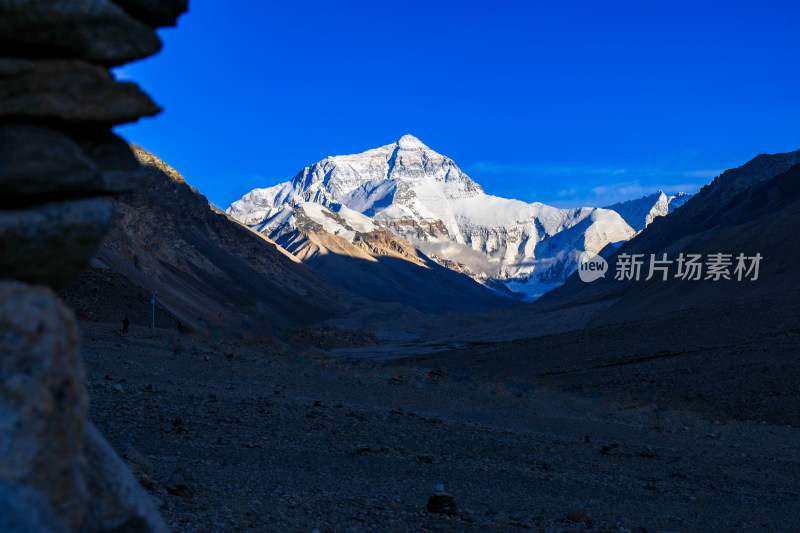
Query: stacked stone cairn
point(59, 163)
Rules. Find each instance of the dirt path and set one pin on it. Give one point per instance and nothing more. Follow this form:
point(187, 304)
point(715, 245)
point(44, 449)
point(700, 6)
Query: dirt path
point(279, 442)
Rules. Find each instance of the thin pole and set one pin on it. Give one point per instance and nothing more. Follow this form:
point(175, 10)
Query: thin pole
point(153, 301)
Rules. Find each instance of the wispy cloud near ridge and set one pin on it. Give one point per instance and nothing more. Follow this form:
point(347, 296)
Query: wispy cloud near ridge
point(586, 185)
point(490, 167)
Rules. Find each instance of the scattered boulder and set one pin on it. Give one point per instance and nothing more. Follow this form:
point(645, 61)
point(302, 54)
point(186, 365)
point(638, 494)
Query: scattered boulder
point(60, 90)
point(648, 453)
point(580, 515)
point(96, 30)
point(441, 502)
point(143, 465)
point(177, 486)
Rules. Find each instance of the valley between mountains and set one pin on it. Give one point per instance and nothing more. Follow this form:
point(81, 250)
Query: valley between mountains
point(329, 349)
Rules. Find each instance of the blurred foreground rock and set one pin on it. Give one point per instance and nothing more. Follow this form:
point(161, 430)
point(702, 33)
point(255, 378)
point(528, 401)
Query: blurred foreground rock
point(43, 398)
point(96, 30)
point(53, 241)
point(58, 157)
point(58, 103)
point(25, 510)
point(49, 447)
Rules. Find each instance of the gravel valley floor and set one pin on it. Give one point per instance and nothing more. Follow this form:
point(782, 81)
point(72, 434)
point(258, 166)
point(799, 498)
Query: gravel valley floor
point(241, 437)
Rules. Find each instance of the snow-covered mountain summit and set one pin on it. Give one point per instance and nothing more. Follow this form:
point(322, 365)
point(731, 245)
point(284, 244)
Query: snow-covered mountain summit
point(367, 182)
point(424, 198)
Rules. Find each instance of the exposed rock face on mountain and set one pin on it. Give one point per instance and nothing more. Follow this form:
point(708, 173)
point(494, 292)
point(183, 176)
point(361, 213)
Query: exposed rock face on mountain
point(424, 198)
point(753, 209)
point(167, 237)
point(655, 205)
point(353, 253)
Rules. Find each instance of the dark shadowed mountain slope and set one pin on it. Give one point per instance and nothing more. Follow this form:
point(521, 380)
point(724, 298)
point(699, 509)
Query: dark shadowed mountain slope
point(718, 203)
point(167, 237)
point(382, 267)
point(753, 209)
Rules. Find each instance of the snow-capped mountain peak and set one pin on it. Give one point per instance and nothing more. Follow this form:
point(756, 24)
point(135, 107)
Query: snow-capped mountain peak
point(427, 200)
point(367, 182)
point(409, 142)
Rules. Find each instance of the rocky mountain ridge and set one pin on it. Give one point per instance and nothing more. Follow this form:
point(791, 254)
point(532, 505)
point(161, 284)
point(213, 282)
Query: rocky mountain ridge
point(752, 209)
point(165, 236)
point(654, 205)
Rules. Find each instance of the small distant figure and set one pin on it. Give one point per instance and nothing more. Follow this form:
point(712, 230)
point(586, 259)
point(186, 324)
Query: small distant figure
point(180, 327)
point(125, 324)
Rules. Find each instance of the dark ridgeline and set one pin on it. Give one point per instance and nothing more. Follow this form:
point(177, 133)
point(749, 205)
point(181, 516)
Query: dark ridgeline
point(59, 163)
point(750, 209)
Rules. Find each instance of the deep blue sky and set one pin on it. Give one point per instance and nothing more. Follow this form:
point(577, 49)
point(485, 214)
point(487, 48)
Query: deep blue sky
point(563, 102)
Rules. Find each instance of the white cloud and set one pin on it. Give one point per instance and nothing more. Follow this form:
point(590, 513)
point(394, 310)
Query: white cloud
point(490, 167)
point(703, 173)
point(577, 181)
point(613, 193)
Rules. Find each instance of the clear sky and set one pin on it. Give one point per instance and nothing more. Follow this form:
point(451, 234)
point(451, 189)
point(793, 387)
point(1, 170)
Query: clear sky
point(564, 102)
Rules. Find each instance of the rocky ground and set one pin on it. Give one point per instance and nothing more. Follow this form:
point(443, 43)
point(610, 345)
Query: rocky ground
point(247, 437)
point(735, 360)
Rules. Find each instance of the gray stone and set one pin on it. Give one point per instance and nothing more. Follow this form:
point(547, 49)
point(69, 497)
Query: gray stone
point(155, 12)
point(177, 486)
point(68, 90)
point(114, 158)
point(580, 515)
point(25, 510)
point(441, 502)
point(43, 399)
point(96, 30)
point(37, 160)
point(52, 243)
point(143, 464)
point(116, 500)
